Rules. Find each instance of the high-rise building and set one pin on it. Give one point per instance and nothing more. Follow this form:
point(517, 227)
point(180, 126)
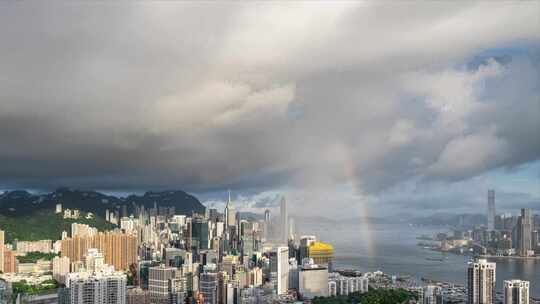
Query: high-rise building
point(159, 284)
point(293, 274)
point(284, 224)
point(491, 210)
point(279, 269)
point(64, 295)
point(230, 213)
point(432, 294)
point(516, 292)
point(305, 242)
point(292, 229)
point(266, 224)
point(2, 250)
point(119, 249)
point(481, 282)
point(229, 264)
point(138, 296)
point(10, 261)
point(200, 233)
point(101, 287)
point(312, 281)
point(535, 238)
point(82, 230)
point(213, 215)
point(143, 272)
point(208, 286)
point(60, 268)
point(175, 257)
point(94, 260)
point(524, 233)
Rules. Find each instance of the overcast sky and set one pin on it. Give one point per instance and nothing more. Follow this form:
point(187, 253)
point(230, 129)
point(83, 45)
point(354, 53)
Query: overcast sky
point(374, 107)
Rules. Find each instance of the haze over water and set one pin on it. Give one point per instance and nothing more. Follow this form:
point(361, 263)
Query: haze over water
point(392, 248)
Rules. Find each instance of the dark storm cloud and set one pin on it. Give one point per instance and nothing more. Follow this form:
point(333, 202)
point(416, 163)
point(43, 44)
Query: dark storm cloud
point(204, 97)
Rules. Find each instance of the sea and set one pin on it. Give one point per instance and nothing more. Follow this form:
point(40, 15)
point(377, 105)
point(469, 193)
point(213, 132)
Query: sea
point(393, 249)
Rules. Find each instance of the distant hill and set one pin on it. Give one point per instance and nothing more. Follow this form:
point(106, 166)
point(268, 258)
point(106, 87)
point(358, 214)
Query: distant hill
point(22, 203)
point(354, 220)
point(250, 216)
point(450, 219)
point(183, 202)
point(44, 225)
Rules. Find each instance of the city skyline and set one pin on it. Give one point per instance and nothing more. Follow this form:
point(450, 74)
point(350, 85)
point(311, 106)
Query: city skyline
point(270, 152)
point(211, 256)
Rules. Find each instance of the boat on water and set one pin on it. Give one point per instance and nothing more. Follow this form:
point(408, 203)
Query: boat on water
point(435, 259)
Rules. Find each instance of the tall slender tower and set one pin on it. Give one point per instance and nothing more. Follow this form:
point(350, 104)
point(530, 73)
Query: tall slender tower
point(266, 226)
point(284, 220)
point(481, 282)
point(291, 228)
point(516, 292)
point(230, 213)
point(279, 269)
point(524, 230)
point(2, 250)
point(491, 210)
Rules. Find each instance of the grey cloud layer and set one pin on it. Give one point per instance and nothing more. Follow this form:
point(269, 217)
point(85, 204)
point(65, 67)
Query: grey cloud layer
point(203, 96)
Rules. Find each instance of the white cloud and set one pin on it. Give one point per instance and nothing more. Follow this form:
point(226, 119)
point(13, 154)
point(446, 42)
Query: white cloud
point(470, 155)
point(309, 95)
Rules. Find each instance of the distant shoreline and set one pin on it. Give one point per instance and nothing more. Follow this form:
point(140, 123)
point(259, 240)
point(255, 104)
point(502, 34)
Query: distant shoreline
point(509, 257)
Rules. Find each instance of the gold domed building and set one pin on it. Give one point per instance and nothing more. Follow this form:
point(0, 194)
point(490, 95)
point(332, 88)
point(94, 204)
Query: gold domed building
point(321, 253)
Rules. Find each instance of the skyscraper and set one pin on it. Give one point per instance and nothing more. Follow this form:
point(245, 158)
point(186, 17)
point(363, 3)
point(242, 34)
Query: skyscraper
point(101, 287)
point(279, 269)
point(2, 250)
point(159, 284)
point(60, 268)
point(481, 282)
point(10, 261)
point(432, 294)
point(535, 239)
point(94, 260)
point(200, 233)
point(119, 249)
point(284, 220)
point(230, 213)
point(266, 227)
point(291, 229)
point(305, 242)
point(209, 287)
point(491, 210)
point(516, 292)
point(524, 232)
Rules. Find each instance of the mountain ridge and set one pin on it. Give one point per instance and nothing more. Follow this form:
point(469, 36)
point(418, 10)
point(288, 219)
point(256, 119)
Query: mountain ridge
point(22, 202)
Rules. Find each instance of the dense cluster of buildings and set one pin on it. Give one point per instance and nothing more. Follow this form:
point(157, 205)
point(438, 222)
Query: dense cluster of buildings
point(508, 235)
point(159, 257)
point(504, 235)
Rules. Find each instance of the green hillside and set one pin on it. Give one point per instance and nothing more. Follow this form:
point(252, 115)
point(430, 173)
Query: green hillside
point(43, 225)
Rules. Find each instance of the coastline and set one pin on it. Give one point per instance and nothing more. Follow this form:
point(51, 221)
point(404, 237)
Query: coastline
point(509, 257)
